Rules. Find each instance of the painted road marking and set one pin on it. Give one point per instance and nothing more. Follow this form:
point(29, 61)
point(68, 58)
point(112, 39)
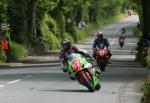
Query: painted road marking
point(28, 76)
point(15, 81)
point(2, 86)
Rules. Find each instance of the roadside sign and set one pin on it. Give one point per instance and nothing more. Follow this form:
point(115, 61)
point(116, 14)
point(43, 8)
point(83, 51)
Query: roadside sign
point(4, 26)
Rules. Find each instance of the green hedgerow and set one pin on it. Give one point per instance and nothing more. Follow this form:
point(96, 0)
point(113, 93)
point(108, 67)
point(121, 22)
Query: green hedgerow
point(137, 32)
point(68, 36)
point(146, 96)
point(52, 24)
point(17, 51)
point(49, 36)
point(148, 58)
point(2, 56)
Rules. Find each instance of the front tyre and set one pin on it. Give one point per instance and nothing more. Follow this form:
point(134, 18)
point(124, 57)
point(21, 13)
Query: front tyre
point(87, 83)
point(121, 44)
point(102, 64)
point(102, 67)
point(98, 86)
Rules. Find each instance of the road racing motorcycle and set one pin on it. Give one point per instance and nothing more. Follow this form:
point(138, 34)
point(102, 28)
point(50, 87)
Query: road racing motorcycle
point(81, 70)
point(102, 57)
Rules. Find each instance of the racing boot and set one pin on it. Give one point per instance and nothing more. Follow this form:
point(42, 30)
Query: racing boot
point(109, 61)
point(98, 71)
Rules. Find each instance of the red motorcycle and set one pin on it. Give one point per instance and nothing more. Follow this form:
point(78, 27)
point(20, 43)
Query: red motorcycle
point(102, 57)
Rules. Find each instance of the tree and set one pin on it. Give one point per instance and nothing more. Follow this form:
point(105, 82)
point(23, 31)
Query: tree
point(32, 26)
point(3, 12)
point(18, 19)
point(146, 16)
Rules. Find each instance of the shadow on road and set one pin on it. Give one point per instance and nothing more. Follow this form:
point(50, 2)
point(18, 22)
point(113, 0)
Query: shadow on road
point(65, 90)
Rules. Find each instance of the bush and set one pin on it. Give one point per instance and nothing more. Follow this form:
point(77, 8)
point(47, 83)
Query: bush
point(2, 56)
point(146, 97)
point(52, 25)
point(148, 58)
point(48, 36)
point(17, 51)
point(52, 40)
point(68, 36)
point(137, 32)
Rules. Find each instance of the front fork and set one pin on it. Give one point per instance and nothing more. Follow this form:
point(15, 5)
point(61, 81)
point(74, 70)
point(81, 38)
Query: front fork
point(93, 73)
point(90, 68)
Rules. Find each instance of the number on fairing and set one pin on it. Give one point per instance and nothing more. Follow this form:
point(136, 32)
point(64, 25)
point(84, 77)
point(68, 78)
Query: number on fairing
point(102, 52)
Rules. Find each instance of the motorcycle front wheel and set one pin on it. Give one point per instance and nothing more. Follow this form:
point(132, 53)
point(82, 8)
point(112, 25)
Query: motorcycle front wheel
point(98, 86)
point(87, 83)
point(102, 64)
point(121, 44)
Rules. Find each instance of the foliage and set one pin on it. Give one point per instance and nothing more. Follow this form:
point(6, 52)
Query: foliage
point(60, 10)
point(3, 10)
point(52, 25)
point(52, 18)
point(17, 51)
point(146, 91)
point(18, 19)
point(48, 36)
point(2, 56)
point(68, 36)
point(137, 32)
point(148, 58)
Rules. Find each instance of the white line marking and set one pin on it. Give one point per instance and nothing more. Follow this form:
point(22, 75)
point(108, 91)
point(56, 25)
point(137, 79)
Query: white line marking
point(28, 76)
point(2, 86)
point(14, 81)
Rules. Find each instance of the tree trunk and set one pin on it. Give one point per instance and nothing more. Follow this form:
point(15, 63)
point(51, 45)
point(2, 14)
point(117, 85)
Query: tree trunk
point(146, 16)
point(33, 19)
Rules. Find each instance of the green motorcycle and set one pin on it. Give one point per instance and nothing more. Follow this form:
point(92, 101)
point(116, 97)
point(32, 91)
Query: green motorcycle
point(83, 72)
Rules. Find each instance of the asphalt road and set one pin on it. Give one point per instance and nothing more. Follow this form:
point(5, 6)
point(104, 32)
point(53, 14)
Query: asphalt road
point(48, 84)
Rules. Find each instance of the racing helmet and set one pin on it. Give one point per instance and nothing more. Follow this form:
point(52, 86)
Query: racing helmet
point(66, 44)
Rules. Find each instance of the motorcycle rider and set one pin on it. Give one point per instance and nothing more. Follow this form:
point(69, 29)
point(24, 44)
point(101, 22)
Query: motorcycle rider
point(68, 48)
point(100, 39)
